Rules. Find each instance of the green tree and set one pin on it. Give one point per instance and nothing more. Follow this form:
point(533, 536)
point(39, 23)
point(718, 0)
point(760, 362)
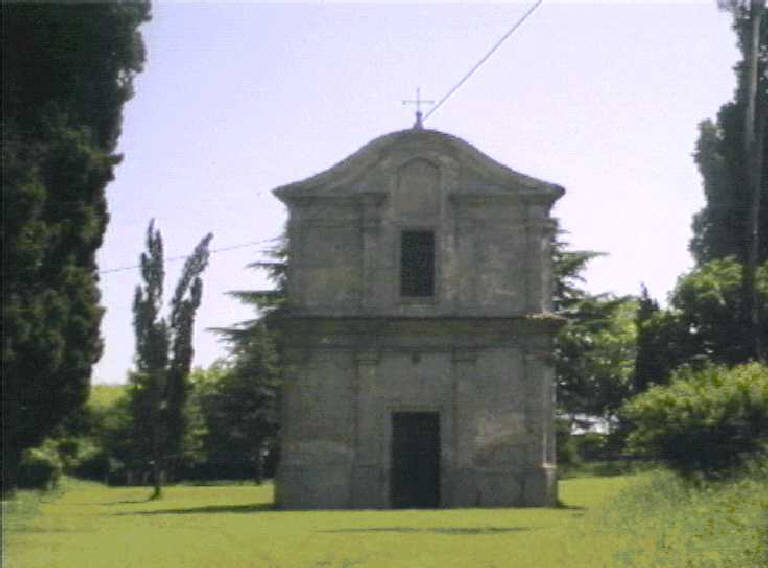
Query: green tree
point(731, 155)
point(720, 229)
point(67, 71)
point(595, 356)
point(163, 354)
point(646, 371)
point(595, 350)
point(244, 402)
point(239, 404)
point(705, 322)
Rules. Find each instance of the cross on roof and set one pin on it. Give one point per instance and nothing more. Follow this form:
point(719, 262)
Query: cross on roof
point(418, 102)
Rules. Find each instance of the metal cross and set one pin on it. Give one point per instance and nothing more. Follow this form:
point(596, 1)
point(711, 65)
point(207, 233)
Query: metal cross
point(418, 102)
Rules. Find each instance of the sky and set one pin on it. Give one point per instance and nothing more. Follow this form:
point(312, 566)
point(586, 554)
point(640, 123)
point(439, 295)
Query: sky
point(236, 99)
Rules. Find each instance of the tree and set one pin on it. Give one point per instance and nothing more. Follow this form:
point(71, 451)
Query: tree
point(721, 229)
point(67, 71)
point(664, 343)
point(754, 133)
point(239, 404)
point(242, 409)
point(731, 155)
point(163, 353)
point(595, 356)
point(705, 322)
point(595, 350)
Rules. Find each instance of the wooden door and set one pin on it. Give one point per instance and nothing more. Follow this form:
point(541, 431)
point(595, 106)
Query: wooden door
point(415, 476)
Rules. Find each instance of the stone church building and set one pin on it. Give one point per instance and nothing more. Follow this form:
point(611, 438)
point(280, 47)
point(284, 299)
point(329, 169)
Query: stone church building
point(419, 333)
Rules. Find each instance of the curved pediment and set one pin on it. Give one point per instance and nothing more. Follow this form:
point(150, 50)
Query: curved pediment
point(473, 173)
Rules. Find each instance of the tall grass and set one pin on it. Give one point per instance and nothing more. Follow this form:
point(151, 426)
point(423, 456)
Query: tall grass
point(705, 525)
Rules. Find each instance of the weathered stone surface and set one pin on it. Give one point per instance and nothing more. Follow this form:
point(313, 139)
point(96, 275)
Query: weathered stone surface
point(475, 352)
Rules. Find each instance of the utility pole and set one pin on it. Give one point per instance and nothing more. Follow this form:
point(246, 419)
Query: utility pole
point(754, 125)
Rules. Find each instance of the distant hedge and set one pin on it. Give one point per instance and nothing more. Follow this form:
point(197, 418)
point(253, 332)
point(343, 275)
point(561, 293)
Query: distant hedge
point(705, 422)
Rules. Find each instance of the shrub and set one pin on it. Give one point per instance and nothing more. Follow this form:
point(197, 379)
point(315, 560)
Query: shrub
point(591, 446)
point(41, 467)
point(567, 454)
point(705, 422)
point(95, 467)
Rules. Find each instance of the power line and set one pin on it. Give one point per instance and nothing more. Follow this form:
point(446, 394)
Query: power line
point(185, 256)
point(477, 65)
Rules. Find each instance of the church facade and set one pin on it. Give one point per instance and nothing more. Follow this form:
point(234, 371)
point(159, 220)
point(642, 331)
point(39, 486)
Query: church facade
point(418, 333)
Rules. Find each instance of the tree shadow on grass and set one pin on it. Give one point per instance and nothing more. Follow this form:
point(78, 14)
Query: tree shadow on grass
point(127, 502)
point(253, 508)
point(435, 530)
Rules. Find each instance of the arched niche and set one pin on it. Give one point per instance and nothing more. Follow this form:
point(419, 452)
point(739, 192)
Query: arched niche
point(417, 193)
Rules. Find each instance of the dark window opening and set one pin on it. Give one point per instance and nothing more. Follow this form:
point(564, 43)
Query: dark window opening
point(417, 264)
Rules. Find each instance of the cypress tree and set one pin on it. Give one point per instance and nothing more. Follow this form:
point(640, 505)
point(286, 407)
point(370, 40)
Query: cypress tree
point(163, 355)
point(67, 71)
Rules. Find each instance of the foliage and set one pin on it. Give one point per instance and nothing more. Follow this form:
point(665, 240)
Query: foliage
point(709, 299)
point(720, 228)
point(67, 71)
point(705, 421)
point(163, 354)
point(567, 454)
point(594, 351)
point(704, 322)
point(269, 305)
point(109, 433)
point(595, 356)
point(102, 401)
point(41, 467)
point(239, 398)
point(238, 406)
point(647, 366)
point(567, 268)
point(664, 342)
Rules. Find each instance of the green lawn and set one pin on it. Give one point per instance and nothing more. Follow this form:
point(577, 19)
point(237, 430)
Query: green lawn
point(89, 525)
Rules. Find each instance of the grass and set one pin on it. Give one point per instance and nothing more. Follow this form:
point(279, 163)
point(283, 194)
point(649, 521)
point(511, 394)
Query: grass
point(710, 525)
point(603, 522)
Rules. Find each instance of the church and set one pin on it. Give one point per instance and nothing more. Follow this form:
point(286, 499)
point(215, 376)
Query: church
point(419, 334)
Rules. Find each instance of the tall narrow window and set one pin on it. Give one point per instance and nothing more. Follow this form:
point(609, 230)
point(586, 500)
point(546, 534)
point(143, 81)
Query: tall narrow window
point(417, 264)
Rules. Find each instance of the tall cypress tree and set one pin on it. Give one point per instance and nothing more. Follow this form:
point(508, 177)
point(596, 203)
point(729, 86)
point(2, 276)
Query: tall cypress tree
point(732, 156)
point(67, 71)
point(163, 355)
point(721, 228)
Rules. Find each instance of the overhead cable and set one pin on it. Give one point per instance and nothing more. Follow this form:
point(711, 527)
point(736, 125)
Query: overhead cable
point(477, 65)
point(185, 256)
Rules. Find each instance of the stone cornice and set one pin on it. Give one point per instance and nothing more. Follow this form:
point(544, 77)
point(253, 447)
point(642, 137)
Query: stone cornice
point(416, 332)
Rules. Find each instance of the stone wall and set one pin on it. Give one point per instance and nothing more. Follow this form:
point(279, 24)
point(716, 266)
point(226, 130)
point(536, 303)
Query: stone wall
point(476, 351)
point(491, 389)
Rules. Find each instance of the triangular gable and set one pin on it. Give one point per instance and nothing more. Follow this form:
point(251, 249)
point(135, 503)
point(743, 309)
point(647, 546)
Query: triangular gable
point(480, 175)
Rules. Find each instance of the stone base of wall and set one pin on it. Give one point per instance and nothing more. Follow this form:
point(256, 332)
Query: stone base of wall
point(540, 487)
point(316, 487)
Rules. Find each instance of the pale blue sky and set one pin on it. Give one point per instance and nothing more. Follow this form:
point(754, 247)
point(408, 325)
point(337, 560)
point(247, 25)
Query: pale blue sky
point(238, 98)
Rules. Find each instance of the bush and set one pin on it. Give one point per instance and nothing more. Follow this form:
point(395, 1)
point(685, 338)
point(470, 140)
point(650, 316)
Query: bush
point(592, 446)
point(94, 467)
point(41, 467)
point(567, 454)
point(705, 422)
